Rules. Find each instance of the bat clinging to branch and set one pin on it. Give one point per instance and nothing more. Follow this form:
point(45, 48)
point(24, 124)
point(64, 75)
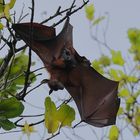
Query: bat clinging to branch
point(95, 96)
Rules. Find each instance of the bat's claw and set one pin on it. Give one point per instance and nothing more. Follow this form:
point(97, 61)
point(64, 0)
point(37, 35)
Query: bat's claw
point(51, 90)
point(53, 84)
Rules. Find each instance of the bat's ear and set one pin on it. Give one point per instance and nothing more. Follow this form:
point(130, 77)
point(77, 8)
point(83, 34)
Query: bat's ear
point(39, 32)
point(67, 29)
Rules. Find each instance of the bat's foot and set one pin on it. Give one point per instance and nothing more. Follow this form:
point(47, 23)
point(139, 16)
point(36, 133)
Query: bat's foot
point(55, 85)
point(50, 91)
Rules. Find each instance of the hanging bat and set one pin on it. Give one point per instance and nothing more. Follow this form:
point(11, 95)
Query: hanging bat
point(95, 96)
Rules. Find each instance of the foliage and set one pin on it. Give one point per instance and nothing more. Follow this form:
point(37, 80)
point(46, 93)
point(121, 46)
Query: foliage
point(9, 108)
point(114, 133)
point(10, 84)
point(90, 14)
point(16, 78)
point(89, 9)
point(113, 66)
point(5, 10)
point(128, 80)
point(15, 75)
point(57, 118)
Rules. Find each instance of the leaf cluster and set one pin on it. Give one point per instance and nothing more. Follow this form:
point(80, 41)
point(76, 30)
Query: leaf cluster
point(9, 108)
point(55, 119)
point(5, 10)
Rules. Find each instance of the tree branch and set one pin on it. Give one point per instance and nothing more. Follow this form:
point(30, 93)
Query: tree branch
point(69, 13)
point(21, 95)
point(58, 13)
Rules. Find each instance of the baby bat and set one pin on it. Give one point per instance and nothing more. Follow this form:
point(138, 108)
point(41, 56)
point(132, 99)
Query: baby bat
point(95, 96)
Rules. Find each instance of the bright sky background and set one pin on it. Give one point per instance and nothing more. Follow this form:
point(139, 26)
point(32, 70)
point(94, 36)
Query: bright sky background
point(123, 14)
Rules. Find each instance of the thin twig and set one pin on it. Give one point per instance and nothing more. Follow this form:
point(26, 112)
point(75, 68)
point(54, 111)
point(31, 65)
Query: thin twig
point(6, 42)
point(37, 69)
point(34, 88)
point(11, 132)
point(72, 6)
point(18, 121)
point(21, 17)
point(70, 13)
point(58, 12)
point(54, 135)
point(28, 116)
point(32, 124)
point(77, 124)
point(21, 48)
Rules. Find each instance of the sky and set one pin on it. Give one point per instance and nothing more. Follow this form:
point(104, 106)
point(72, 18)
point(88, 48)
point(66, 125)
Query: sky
point(121, 15)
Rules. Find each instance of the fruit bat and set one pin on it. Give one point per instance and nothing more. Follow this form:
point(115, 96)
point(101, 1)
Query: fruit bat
point(95, 96)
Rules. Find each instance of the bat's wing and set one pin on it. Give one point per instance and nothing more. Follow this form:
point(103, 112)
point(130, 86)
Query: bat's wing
point(39, 32)
point(45, 43)
point(95, 96)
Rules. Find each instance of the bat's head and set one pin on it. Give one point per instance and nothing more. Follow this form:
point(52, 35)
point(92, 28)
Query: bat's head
point(43, 40)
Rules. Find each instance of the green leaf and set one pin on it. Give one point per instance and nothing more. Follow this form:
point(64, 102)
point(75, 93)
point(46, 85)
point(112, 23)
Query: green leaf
point(7, 125)
point(135, 132)
point(124, 93)
point(1, 26)
point(66, 115)
point(11, 107)
point(132, 79)
point(20, 63)
point(130, 100)
point(54, 118)
point(1, 60)
point(98, 20)
point(1, 7)
point(89, 9)
point(7, 11)
point(137, 118)
point(114, 133)
point(51, 122)
point(105, 60)
point(134, 36)
point(120, 111)
point(96, 65)
point(20, 80)
point(137, 94)
point(117, 58)
point(32, 77)
point(114, 75)
point(12, 3)
point(128, 107)
point(16, 77)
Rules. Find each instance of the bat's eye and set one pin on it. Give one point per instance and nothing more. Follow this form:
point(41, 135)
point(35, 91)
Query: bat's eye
point(67, 53)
